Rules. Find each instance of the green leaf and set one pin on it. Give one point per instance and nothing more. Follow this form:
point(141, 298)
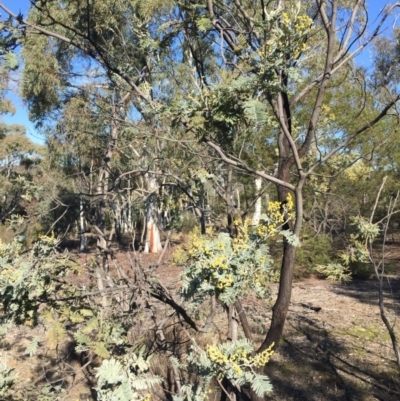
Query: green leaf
point(86, 312)
point(101, 350)
point(32, 347)
point(91, 325)
point(82, 338)
point(110, 371)
point(291, 238)
point(10, 61)
point(123, 392)
point(143, 382)
point(261, 385)
point(204, 24)
point(56, 334)
point(256, 111)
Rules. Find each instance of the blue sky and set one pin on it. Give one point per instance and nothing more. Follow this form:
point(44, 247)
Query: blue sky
point(21, 115)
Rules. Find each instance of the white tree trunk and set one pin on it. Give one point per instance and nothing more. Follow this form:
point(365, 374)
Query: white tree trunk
point(153, 240)
point(258, 204)
point(82, 234)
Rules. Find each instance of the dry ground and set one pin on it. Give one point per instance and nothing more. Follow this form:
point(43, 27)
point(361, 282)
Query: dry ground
point(342, 352)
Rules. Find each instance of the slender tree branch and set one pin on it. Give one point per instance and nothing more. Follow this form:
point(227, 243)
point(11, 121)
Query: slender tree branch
point(345, 46)
point(379, 117)
point(241, 165)
point(278, 110)
point(247, 18)
point(371, 218)
point(345, 60)
point(379, 268)
point(243, 320)
point(316, 112)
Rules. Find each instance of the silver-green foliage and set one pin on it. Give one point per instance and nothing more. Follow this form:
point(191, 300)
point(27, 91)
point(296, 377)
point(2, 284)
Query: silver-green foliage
point(230, 360)
point(125, 379)
point(8, 39)
point(28, 280)
point(356, 252)
point(225, 267)
point(33, 346)
point(334, 271)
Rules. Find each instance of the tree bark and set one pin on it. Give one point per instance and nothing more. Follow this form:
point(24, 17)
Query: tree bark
point(82, 235)
point(281, 306)
point(243, 320)
point(229, 206)
point(258, 204)
point(153, 240)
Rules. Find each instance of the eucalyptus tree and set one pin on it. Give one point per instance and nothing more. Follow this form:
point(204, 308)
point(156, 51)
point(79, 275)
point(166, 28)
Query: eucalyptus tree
point(19, 160)
point(53, 87)
point(259, 79)
point(18, 155)
point(78, 145)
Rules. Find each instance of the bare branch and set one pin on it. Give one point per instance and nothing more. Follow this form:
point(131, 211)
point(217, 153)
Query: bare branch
point(241, 165)
point(278, 110)
point(330, 30)
point(379, 117)
point(247, 18)
point(345, 60)
point(351, 24)
point(371, 218)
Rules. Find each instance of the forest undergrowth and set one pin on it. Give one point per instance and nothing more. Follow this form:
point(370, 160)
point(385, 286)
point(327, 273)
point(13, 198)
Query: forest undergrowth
point(334, 347)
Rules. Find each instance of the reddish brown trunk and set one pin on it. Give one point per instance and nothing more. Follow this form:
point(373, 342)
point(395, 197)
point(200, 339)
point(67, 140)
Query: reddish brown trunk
point(243, 320)
point(281, 306)
point(151, 240)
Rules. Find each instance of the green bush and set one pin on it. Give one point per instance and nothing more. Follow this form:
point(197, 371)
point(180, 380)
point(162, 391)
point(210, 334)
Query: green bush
point(314, 251)
point(186, 223)
point(361, 270)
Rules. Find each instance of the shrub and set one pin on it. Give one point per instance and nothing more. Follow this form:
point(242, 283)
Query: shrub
point(314, 251)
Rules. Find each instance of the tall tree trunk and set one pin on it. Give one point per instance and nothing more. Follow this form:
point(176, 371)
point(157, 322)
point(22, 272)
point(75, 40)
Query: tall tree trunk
point(82, 235)
point(100, 211)
point(198, 207)
point(229, 205)
point(258, 204)
point(233, 325)
point(153, 240)
point(281, 305)
point(129, 217)
point(243, 320)
point(228, 390)
point(117, 218)
point(202, 211)
point(104, 176)
point(124, 217)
